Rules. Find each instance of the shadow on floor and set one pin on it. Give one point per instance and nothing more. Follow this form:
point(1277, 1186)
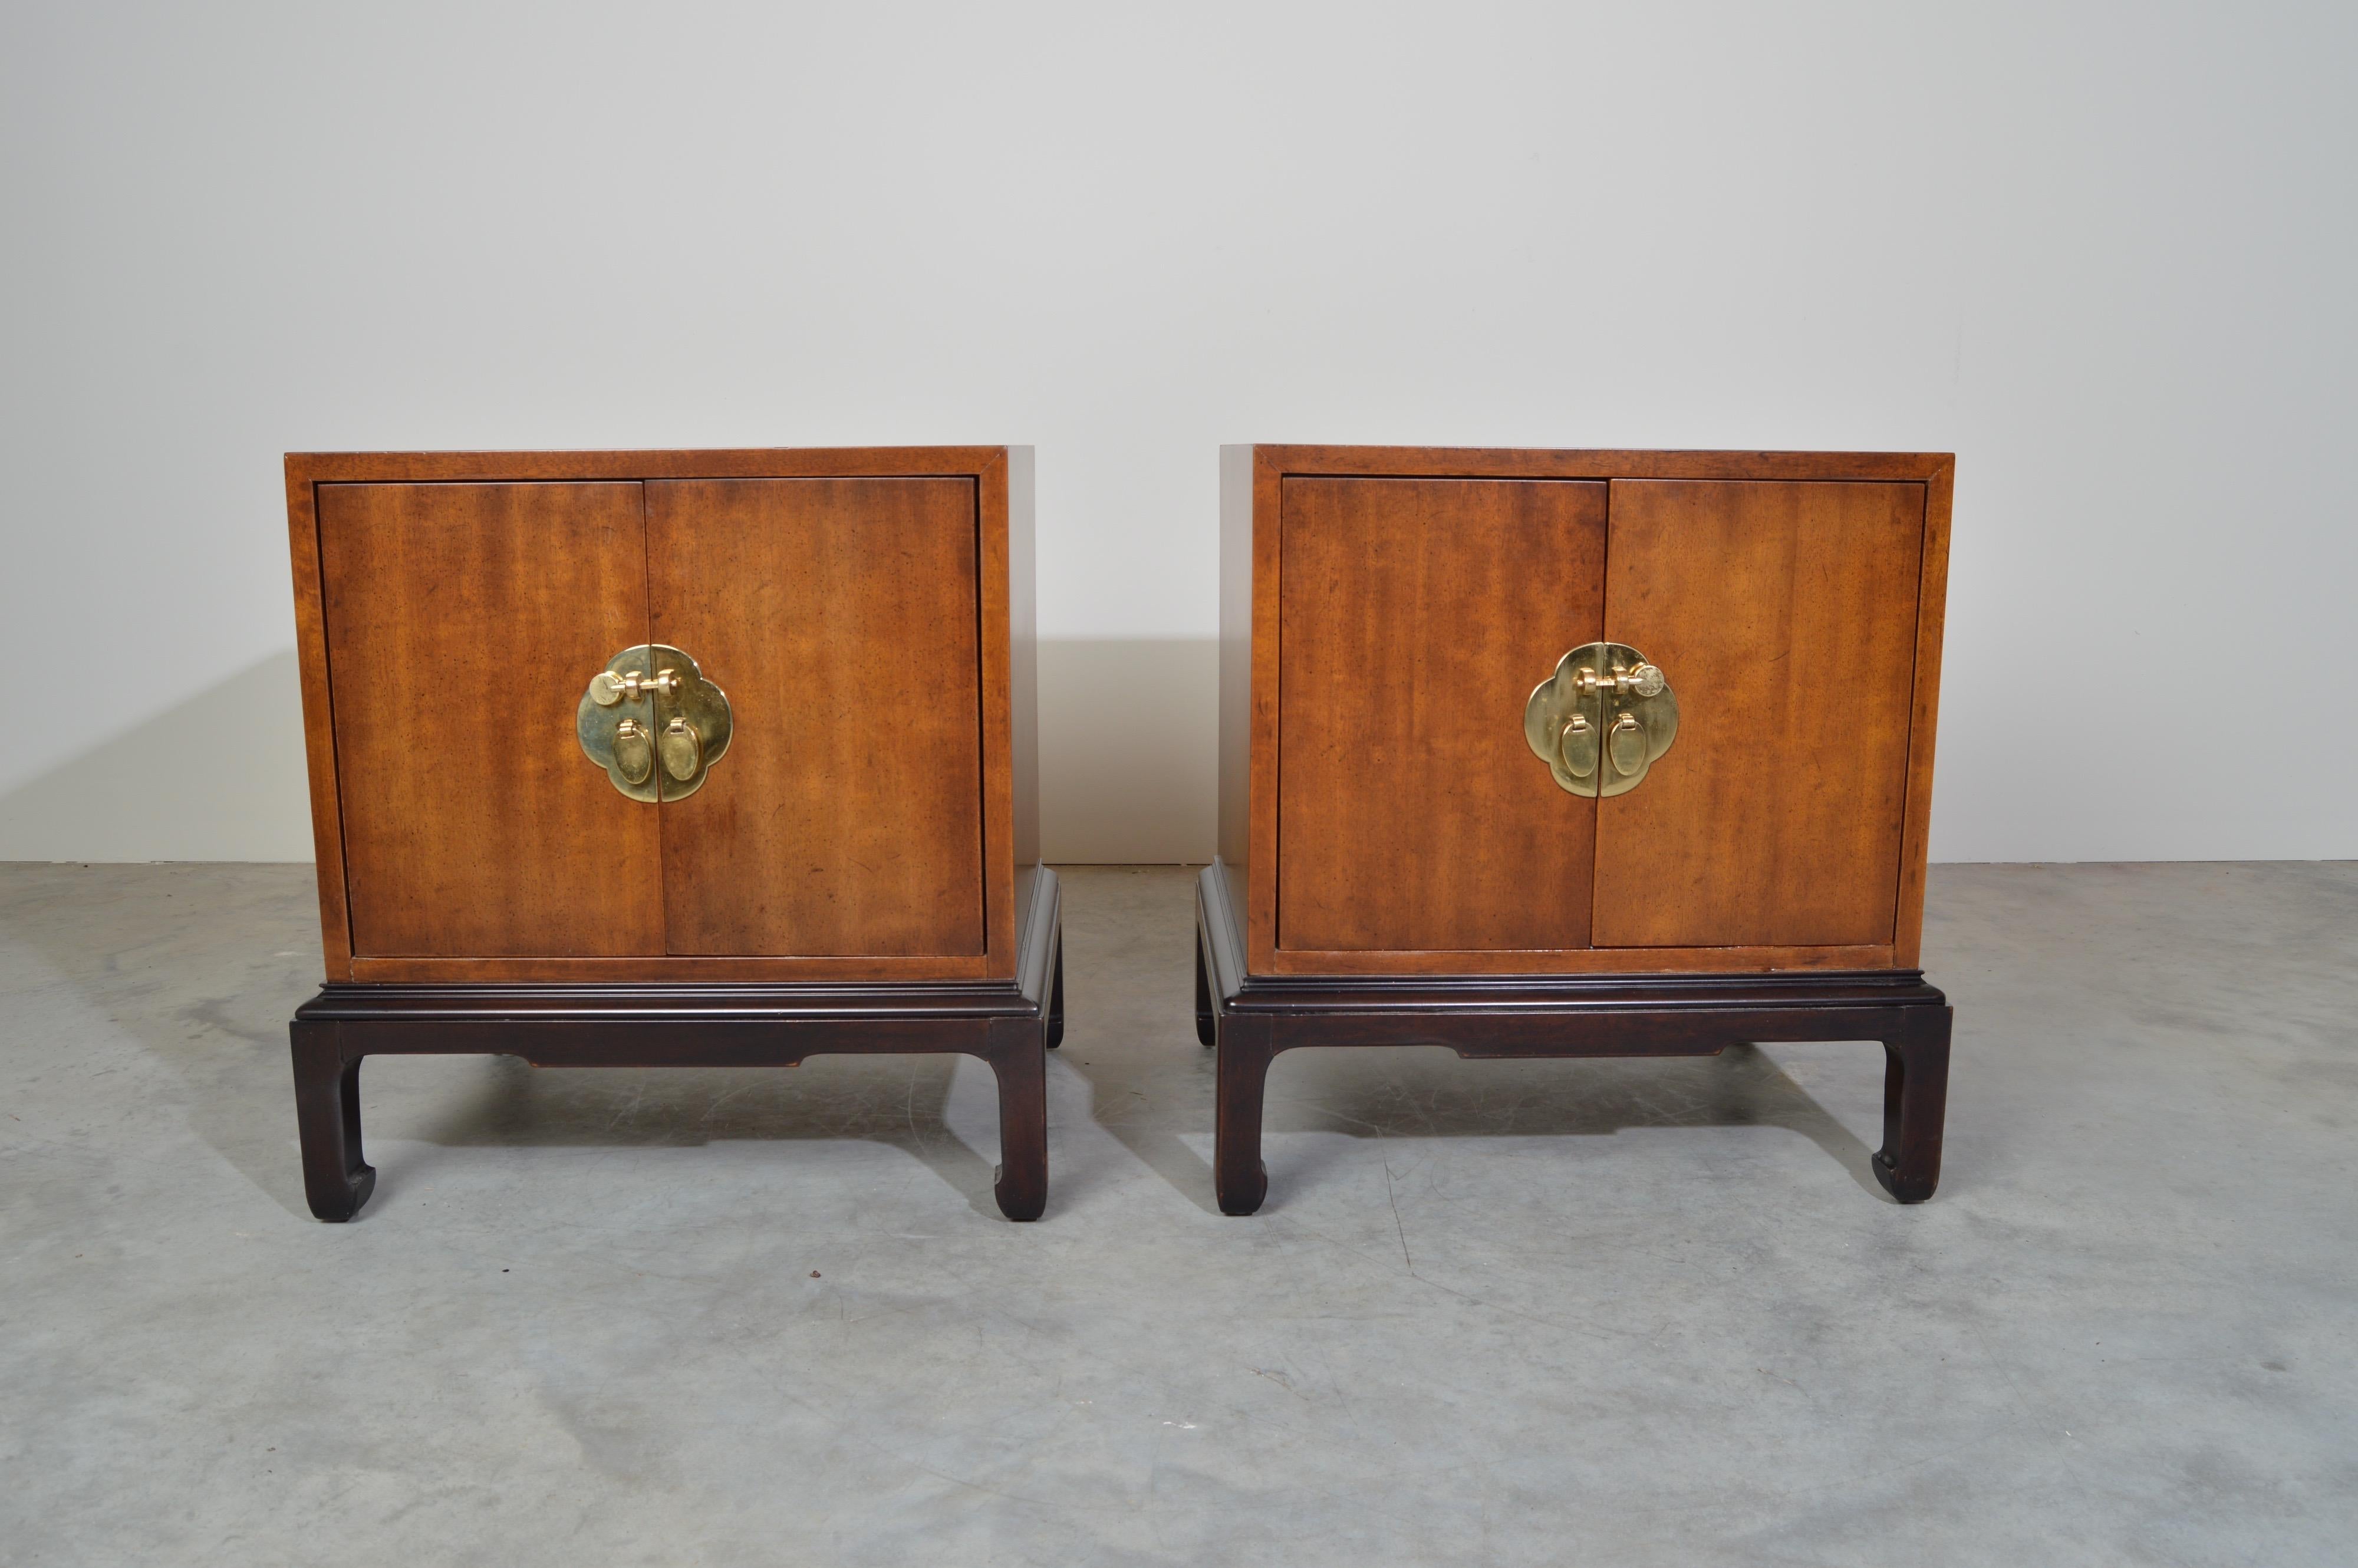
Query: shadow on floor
point(201, 967)
point(907, 1103)
point(1430, 1092)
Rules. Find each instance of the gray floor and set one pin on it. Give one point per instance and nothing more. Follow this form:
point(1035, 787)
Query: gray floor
point(1497, 1312)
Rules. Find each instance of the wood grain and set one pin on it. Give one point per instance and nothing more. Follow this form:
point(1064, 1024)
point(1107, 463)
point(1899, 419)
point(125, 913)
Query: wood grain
point(319, 724)
point(461, 623)
point(1259, 877)
point(1517, 462)
point(1417, 616)
point(744, 462)
point(840, 616)
point(1932, 615)
point(1785, 615)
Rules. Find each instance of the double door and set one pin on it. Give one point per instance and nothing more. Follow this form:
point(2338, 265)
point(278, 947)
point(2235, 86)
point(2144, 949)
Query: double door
point(1416, 830)
point(839, 619)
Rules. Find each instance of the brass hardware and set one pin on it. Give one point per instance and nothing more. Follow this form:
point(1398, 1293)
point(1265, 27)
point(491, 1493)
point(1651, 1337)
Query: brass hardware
point(607, 687)
point(1577, 746)
point(652, 702)
point(1603, 691)
point(1646, 680)
point(634, 759)
point(1626, 743)
point(682, 755)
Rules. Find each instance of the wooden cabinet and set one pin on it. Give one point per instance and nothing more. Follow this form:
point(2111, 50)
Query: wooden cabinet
point(814, 825)
point(1417, 846)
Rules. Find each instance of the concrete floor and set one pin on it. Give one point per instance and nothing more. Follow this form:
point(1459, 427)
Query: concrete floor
point(1495, 1313)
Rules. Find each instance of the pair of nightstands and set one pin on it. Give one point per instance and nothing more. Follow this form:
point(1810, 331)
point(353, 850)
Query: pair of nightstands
point(730, 759)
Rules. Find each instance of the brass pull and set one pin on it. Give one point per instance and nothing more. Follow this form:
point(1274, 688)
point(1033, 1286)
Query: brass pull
point(1605, 698)
point(1626, 743)
point(1578, 746)
point(607, 687)
point(634, 756)
point(682, 753)
point(1646, 680)
point(628, 720)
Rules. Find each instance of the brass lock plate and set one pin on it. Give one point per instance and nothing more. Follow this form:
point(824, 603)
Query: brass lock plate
point(1602, 720)
point(653, 721)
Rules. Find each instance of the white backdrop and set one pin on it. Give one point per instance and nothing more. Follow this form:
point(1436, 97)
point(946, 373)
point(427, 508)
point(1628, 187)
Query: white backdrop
point(2104, 253)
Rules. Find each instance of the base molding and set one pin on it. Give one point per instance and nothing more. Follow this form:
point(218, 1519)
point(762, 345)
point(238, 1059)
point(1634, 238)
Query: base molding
point(689, 1024)
point(1249, 1019)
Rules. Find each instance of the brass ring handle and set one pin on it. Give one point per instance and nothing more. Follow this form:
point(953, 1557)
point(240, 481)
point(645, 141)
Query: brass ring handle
point(681, 749)
point(1577, 746)
point(1606, 703)
point(1625, 743)
point(634, 756)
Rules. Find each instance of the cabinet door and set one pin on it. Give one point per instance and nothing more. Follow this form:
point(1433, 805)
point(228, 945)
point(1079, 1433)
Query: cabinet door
point(1784, 616)
point(1415, 616)
point(463, 622)
point(841, 618)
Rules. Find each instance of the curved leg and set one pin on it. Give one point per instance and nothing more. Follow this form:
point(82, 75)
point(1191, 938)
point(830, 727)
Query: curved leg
point(1056, 995)
point(1016, 1057)
point(336, 1180)
point(1915, 1104)
point(1238, 1177)
point(1206, 1018)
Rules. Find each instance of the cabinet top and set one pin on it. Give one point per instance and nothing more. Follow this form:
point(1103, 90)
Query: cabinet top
point(1603, 462)
point(729, 462)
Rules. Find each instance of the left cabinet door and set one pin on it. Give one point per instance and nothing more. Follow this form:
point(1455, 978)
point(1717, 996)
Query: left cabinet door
point(463, 623)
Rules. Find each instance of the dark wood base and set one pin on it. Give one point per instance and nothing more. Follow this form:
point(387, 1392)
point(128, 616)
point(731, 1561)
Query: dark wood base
point(1007, 1024)
point(1250, 1019)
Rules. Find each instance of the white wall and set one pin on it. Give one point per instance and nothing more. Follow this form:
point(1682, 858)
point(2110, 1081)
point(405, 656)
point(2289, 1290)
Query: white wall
point(2103, 252)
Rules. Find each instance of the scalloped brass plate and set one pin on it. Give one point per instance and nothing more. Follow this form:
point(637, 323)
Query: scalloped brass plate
point(1602, 720)
point(649, 701)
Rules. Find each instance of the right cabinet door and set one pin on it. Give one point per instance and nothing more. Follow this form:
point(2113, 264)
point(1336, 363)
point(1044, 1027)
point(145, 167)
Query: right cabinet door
point(841, 616)
point(1784, 615)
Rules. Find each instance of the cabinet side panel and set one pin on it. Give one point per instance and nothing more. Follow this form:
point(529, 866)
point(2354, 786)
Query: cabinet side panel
point(1024, 658)
point(1784, 614)
point(1932, 614)
point(318, 722)
point(462, 623)
point(1417, 616)
point(1235, 843)
point(842, 616)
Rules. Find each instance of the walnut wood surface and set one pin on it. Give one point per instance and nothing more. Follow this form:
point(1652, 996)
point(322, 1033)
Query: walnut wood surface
point(1608, 463)
point(1416, 616)
point(461, 623)
point(1253, 697)
point(1931, 616)
point(840, 617)
point(1000, 739)
point(1784, 614)
point(318, 722)
point(727, 463)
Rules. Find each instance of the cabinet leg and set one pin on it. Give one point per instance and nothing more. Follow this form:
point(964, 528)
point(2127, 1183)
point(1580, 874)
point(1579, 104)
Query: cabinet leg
point(336, 1180)
point(1018, 1058)
point(1056, 997)
point(1238, 1177)
point(1915, 1104)
point(1207, 1019)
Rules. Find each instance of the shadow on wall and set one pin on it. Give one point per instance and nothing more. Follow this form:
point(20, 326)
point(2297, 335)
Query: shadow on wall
point(1128, 761)
point(219, 777)
point(1128, 749)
